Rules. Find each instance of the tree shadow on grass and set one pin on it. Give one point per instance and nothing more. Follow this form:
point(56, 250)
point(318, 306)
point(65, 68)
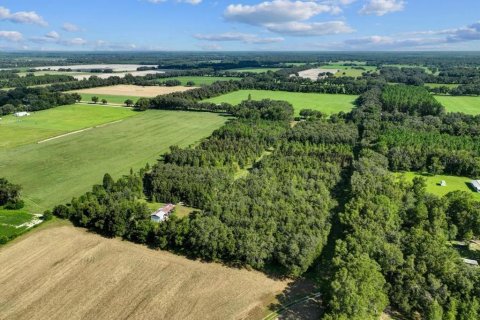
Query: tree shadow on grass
point(299, 300)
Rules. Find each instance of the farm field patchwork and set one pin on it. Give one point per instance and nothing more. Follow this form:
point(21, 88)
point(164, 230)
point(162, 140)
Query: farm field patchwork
point(44, 124)
point(327, 103)
point(53, 172)
point(468, 105)
point(349, 71)
point(62, 272)
point(454, 183)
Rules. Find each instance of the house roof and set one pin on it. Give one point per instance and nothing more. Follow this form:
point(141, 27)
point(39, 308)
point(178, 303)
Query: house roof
point(476, 184)
point(164, 210)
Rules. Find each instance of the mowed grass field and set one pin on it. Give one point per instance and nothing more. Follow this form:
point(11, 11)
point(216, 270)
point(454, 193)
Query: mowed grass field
point(12, 222)
point(349, 71)
point(327, 103)
point(62, 272)
point(453, 183)
point(16, 131)
point(111, 99)
point(54, 171)
point(199, 81)
point(468, 105)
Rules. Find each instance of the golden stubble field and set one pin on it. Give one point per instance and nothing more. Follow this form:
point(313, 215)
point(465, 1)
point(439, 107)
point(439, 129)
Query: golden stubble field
point(64, 272)
point(133, 90)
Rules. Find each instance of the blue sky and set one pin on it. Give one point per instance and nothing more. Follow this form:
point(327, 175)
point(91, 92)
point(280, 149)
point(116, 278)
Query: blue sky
point(240, 25)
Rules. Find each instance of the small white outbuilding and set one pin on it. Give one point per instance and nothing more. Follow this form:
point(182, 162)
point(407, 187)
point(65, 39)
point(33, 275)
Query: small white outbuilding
point(443, 183)
point(476, 185)
point(21, 114)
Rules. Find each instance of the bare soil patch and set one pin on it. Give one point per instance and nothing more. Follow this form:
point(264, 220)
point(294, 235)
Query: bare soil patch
point(132, 90)
point(68, 273)
point(314, 74)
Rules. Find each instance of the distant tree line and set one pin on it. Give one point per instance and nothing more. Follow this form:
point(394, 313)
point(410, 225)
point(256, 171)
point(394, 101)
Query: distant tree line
point(33, 99)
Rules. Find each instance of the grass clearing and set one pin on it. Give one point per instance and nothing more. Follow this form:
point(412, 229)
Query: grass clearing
point(199, 81)
point(11, 222)
point(50, 273)
point(453, 183)
point(437, 85)
point(113, 99)
point(55, 171)
point(41, 125)
point(327, 103)
point(465, 104)
point(254, 70)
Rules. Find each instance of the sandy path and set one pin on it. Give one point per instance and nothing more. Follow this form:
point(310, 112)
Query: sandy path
point(68, 273)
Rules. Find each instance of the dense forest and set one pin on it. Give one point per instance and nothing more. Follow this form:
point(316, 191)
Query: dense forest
point(273, 196)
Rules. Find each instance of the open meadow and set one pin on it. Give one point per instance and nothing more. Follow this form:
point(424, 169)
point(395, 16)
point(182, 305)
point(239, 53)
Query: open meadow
point(327, 103)
point(62, 272)
point(198, 80)
point(54, 171)
point(433, 183)
point(16, 131)
point(465, 104)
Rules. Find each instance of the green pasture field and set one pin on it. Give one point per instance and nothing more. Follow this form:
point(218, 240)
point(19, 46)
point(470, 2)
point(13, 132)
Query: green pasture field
point(40, 125)
point(454, 183)
point(436, 85)
point(348, 70)
point(11, 221)
point(199, 81)
point(254, 70)
point(55, 171)
point(465, 104)
point(327, 103)
point(114, 99)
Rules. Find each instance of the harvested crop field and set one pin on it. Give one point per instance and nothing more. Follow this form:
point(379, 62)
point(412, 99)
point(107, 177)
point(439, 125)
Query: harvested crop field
point(313, 74)
point(67, 273)
point(135, 91)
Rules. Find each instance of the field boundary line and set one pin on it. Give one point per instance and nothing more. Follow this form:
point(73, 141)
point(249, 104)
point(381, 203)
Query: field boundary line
point(80, 131)
point(64, 135)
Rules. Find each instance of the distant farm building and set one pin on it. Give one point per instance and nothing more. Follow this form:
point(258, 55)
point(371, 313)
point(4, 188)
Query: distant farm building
point(21, 114)
point(162, 213)
point(471, 262)
point(476, 185)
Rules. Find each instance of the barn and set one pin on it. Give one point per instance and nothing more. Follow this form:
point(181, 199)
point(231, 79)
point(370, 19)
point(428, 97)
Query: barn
point(162, 213)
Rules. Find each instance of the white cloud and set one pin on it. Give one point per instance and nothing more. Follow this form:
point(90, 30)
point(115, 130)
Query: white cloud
point(277, 11)
point(236, 36)
point(311, 29)
point(52, 35)
point(105, 45)
point(27, 17)
point(290, 17)
point(13, 36)
point(382, 7)
point(70, 27)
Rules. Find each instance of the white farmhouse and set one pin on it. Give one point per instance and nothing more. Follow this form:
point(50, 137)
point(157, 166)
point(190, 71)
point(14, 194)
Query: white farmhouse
point(162, 213)
point(21, 114)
